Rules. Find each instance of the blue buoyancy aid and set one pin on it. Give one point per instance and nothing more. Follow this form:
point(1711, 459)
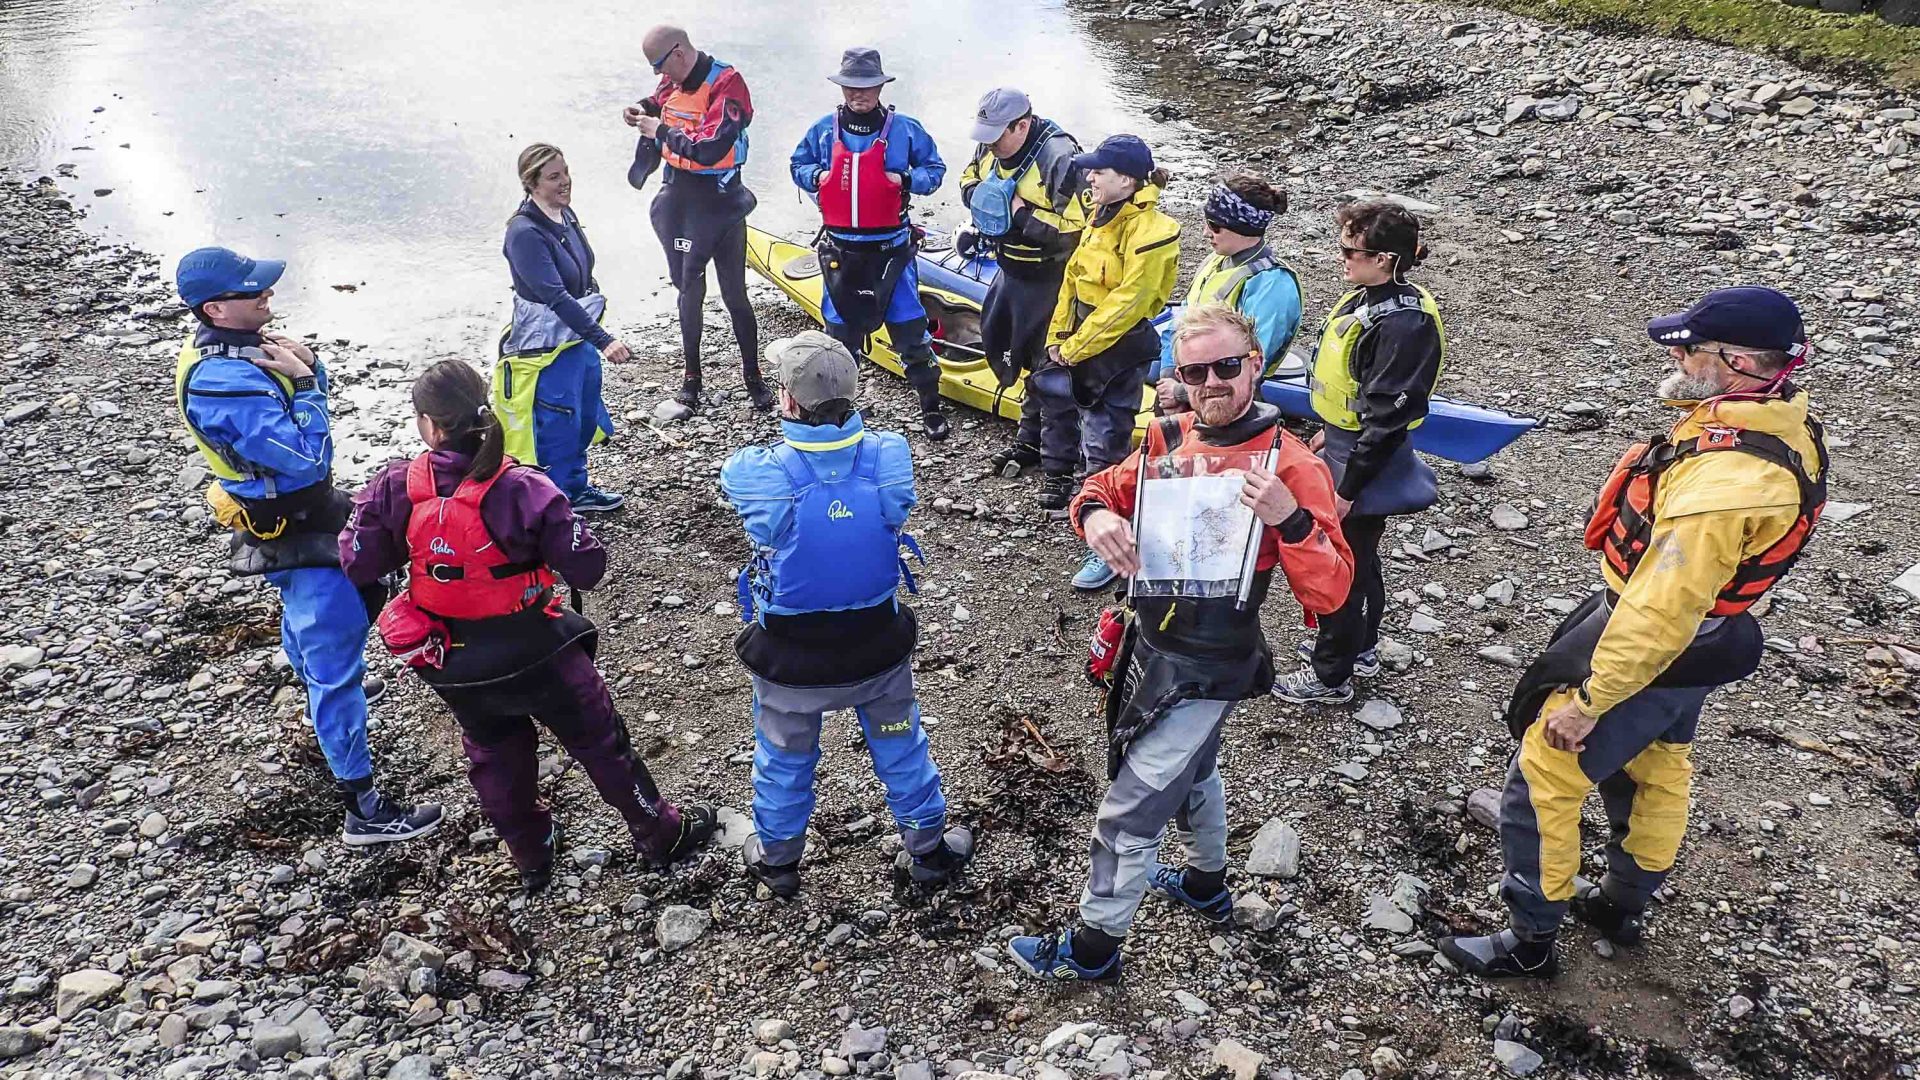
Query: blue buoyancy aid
point(991, 202)
point(838, 554)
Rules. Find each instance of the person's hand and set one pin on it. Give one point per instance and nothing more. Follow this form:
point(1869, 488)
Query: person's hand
point(1568, 727)
point(1018, 204)
point(282, 361)
point(1111, 537)
point(649, 126)
point(616, 352)
point(1342, 506)
point(1170, 395)
point(898, 178)
point(1054, 357)
point(298, 348)
point(1267, 496)
point(1319, 440)
point(632, 115)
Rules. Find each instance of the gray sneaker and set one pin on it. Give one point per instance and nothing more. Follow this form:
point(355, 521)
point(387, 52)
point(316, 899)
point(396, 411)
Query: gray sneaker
point(1366, 665)
point(1303, 687)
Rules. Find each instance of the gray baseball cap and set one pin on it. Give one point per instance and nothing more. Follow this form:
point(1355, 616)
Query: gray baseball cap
point(814, 368)
point(999, 108)
point(860, 68)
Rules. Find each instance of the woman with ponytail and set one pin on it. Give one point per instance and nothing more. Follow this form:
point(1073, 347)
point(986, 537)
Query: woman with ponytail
point(486, 542)
point(1374, 371)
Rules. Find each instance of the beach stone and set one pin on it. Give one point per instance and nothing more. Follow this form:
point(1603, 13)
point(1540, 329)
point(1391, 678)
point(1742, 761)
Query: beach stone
point(1275, 852)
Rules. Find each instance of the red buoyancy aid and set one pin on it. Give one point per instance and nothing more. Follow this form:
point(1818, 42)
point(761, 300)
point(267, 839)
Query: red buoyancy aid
point(686, 110)
point(856, 193)
point(1621, 527)
point(457, 570)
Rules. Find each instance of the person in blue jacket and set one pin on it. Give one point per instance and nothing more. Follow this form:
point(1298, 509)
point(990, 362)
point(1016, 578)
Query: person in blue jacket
point(546, 387)
point(825, 508)
point(255, 404)
point(1241, 272)
point(863, 163)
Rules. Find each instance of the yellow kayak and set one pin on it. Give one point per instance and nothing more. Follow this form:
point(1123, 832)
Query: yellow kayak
point(952, 316)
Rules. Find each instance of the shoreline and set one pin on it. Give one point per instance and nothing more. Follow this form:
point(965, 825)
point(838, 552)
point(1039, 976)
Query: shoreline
point(155, 690)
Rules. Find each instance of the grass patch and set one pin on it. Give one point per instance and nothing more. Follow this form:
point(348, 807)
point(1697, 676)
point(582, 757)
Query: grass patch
point(1856, 46)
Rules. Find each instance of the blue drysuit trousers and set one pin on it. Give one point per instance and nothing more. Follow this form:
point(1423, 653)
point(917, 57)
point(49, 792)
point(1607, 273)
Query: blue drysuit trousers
point(323, 628)
point(568, 414)
point(786, 727)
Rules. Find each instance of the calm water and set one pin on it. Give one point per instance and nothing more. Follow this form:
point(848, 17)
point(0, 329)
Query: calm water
point(372, 145)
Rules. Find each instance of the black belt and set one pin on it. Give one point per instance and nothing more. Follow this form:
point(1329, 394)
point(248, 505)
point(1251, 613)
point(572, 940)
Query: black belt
point(446, 572)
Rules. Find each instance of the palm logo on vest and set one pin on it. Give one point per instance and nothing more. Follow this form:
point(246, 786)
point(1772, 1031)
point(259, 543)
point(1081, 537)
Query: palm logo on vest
point(439, 546)
point(838, 511)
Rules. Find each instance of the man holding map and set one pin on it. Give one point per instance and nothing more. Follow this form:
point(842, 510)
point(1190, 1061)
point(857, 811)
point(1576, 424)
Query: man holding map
point(1197, 518)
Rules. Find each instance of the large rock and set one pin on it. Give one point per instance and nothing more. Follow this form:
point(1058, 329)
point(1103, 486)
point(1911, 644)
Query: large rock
point(19, 1042)
point(1483, 806)
point(680, 926)
point(1379, 714)
point(857, 1043)
point(84, 989)
point(1239, 1062)
point(1276, 851)
point(275, 1040)
point(1517, 1059)
point(411, 952)
point(1255, 913)
point(412, 1067)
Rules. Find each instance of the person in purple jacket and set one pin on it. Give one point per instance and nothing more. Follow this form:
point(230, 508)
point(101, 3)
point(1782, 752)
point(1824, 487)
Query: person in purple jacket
point(485, 542)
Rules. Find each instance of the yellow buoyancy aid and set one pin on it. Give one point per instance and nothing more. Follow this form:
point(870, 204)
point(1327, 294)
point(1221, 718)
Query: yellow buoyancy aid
point(1333, 383)
point(220, 459)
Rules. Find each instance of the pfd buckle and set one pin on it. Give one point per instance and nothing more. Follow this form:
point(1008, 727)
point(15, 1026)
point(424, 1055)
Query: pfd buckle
point(434, 570)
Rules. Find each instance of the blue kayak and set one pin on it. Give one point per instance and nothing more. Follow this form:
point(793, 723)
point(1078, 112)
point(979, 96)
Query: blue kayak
point(1455, 430)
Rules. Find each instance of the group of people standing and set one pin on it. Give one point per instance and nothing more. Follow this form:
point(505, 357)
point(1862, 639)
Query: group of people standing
point(484, 521)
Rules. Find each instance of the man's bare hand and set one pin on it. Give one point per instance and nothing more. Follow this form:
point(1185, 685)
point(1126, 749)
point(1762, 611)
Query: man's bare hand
point(282, 361)
point(1568, 728)
point(632, 114)
point(298, 348)
point(1319, 440)
point(1171, 396)
point(616, 352)
point(1267, 496)
point(1111, 537)
point(649, 126)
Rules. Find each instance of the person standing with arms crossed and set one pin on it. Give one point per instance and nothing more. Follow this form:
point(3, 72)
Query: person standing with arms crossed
point(1374, 371)
point(694, 125)
point(863, 163)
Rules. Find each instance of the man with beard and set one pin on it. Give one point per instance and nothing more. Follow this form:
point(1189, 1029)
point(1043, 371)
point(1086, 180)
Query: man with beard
point(1693, 526)
point(1194, 657)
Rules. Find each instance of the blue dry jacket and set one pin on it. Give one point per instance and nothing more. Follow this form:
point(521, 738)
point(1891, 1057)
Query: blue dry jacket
point(824, 509)
point(910, 152)
point(552, 264)
point(236, 404)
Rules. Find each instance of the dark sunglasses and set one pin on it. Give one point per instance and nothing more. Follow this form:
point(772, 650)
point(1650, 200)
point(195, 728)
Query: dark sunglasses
point(660, 63)
point(240, 295)
point(1225, 369)
point(1350, 252)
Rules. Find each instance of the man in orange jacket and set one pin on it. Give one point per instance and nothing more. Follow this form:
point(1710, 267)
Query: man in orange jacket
point(1194, 657)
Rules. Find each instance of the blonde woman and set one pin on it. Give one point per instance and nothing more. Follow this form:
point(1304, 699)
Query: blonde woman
point(547, 384)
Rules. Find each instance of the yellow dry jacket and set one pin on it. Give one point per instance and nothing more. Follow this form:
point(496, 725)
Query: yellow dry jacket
point(1122, 273)
point(1335, 388)
point(1066, 215)
point(1710, 512)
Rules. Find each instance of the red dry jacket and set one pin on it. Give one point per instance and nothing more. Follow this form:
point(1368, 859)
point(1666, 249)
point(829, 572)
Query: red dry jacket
point(456, 570)
point(856, 192)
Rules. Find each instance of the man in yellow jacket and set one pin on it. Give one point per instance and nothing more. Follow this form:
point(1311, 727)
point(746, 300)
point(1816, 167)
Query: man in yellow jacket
point(1693, 527)
point(1101, 340)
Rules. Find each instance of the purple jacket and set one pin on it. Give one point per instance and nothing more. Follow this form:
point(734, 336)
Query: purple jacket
point(524, 513)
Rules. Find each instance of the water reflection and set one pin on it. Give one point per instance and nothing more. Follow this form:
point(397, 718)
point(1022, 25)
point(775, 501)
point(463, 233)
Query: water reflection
point(372, 145)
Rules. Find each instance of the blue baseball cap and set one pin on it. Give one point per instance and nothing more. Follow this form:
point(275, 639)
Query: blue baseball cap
point(212, 272)
point(1748, 316)
point(1124, 154)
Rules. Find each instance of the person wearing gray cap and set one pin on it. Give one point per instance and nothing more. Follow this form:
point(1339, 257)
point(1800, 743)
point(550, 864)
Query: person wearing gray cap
point(1024, 198)
point(826, 508)
point(862, 163)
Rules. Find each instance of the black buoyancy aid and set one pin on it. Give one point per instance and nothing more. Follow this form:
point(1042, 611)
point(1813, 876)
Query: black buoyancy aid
point(1621, 526)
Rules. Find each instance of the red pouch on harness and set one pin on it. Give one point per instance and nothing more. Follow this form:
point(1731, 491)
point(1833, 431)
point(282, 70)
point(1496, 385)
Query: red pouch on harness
point(1104, 647)
point(414, 637)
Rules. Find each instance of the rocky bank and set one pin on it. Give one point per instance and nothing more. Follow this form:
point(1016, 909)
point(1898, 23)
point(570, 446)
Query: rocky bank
point(176, 903)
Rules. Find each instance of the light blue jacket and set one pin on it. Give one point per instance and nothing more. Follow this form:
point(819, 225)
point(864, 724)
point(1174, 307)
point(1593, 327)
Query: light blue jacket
point(1272, 300)
point(757, 487)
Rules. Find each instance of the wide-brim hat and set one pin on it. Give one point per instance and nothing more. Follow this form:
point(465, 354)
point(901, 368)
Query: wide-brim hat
point(860, 69)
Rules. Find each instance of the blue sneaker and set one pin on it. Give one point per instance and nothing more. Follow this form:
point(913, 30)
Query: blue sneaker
point(390, 820)
point(1172, 883)
point(1094, 573)
point(592, 500)
point(1051, 957)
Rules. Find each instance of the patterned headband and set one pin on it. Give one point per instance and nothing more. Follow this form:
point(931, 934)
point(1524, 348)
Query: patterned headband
point(1227, 210)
